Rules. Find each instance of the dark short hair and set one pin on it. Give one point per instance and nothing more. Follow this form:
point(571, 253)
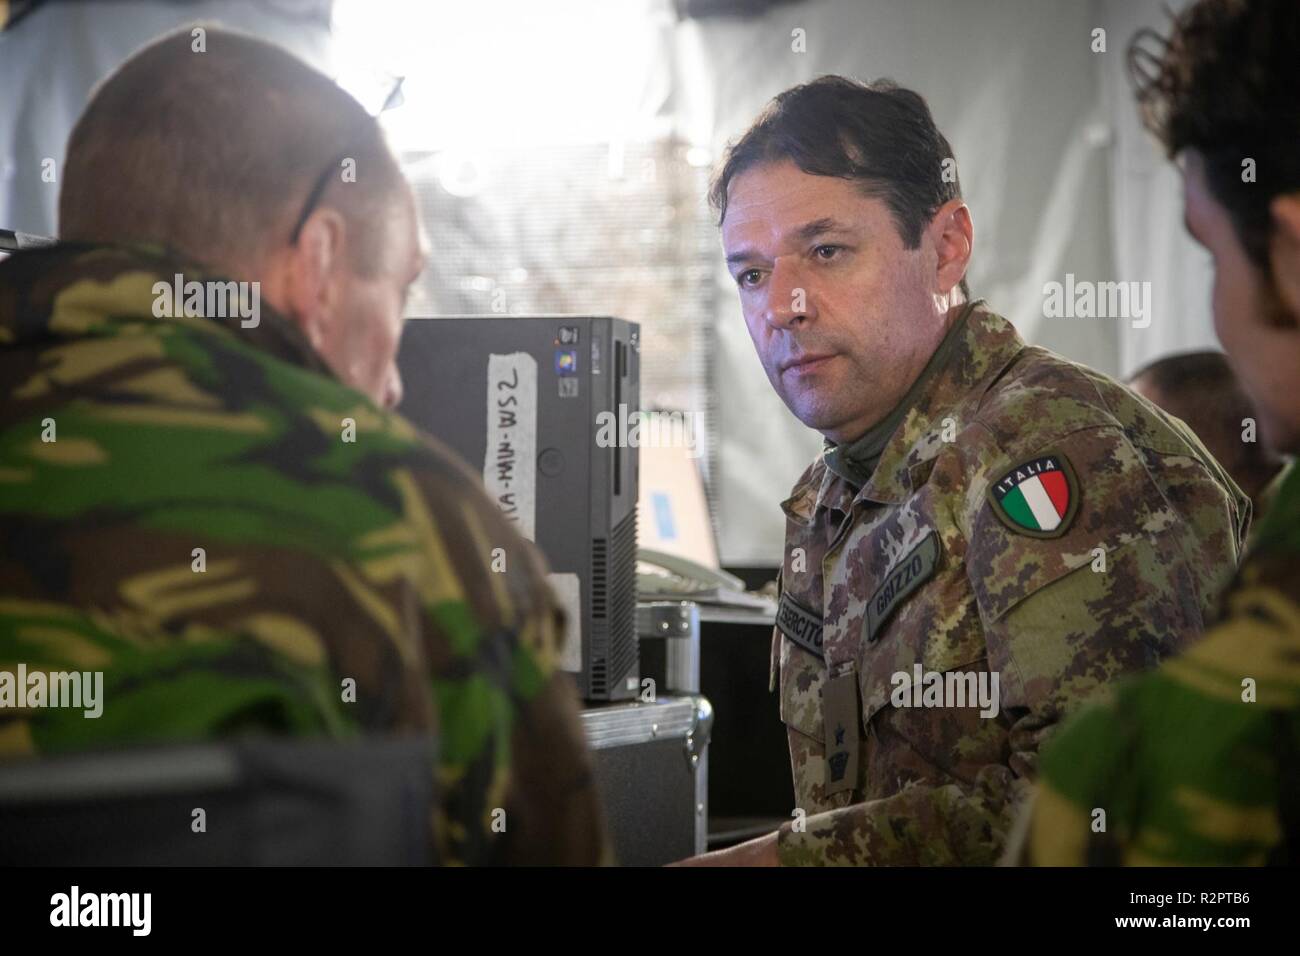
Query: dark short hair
point(1226, 83)
point(1202, 389)
point(213, 154)
point(1203, 373)
point(878, 135)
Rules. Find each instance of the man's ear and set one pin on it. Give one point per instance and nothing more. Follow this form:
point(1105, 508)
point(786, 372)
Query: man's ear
point(1284, 249)
point(953, 235)
point(314, 274)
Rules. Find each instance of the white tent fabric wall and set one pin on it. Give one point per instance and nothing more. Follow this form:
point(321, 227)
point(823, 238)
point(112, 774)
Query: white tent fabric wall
point(87, 41)
point(1149, 241)
point(1022, 97)
point(1059, 175)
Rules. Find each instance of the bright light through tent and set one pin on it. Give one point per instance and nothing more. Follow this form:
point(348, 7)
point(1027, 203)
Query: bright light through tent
point(488, 73)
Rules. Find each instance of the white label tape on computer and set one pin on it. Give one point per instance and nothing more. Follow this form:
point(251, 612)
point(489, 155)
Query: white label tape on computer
point(568, 589)
point(510, 463)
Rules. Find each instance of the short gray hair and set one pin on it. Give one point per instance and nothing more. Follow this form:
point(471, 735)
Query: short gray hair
point(213, 154)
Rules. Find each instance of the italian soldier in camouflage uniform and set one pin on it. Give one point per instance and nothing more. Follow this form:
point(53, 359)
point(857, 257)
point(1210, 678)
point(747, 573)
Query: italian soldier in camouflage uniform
point(992, 533)
point(214, 508)
point(1199, 763)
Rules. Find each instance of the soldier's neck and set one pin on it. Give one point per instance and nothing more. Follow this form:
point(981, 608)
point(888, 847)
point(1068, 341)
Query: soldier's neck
point(856, 460)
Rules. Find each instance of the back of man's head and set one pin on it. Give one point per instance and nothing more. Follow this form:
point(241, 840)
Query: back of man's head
point(1224, 85)
point(1202, 390)
point(213, 153)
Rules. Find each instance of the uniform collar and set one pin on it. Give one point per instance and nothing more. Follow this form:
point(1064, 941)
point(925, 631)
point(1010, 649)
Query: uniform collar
point(855, 461)
point(984, 346)
point(34, 305)
point(1279, 512)
point(1268, 493)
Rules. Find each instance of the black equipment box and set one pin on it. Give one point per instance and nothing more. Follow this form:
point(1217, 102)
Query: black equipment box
point(536, 405)
point(652, 768)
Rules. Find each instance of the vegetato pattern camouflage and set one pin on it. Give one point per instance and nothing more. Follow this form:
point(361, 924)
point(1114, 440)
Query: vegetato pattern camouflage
point(326, 560)
point(1198, 763)
point(941, 785)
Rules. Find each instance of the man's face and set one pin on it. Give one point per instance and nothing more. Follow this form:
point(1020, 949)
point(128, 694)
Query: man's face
point(842, 315)
point(361, 346)
point(1249, 317)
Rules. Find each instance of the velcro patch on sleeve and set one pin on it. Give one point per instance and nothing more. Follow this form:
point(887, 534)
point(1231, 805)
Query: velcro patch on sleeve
point(1038, 497)
point(903, 578)
point(800, 625)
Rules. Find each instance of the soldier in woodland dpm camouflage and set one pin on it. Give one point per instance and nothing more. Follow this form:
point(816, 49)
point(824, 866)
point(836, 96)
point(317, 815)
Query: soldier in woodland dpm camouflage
point(222, 517)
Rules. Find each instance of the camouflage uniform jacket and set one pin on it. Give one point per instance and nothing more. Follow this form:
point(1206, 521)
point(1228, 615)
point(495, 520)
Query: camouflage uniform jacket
point(342, 586)
point(931, 568)
point(1199, 762)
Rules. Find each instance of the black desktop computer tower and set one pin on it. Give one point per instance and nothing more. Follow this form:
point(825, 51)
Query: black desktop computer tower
point(523, 400)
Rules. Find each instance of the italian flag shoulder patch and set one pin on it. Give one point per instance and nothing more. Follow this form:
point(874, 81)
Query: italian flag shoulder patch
point(1038, 497)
